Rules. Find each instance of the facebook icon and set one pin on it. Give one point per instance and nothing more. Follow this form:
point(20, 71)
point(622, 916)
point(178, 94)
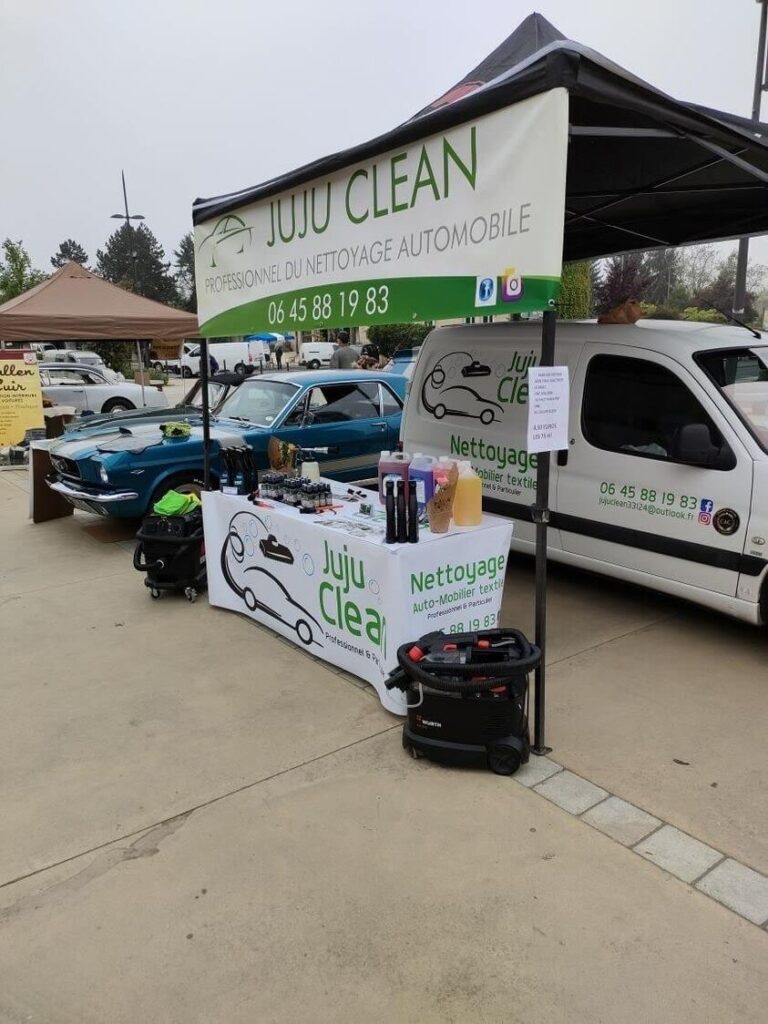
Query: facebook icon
point(485, 291)
point(706, 505)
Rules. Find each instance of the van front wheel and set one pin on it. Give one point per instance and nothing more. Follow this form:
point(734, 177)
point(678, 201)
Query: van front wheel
point(313, 364)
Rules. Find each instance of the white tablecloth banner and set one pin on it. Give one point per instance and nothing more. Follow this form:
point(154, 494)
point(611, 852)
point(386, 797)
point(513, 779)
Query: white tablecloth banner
point(330, 584)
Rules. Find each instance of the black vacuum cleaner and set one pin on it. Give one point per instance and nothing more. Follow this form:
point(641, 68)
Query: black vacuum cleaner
point(467, 697)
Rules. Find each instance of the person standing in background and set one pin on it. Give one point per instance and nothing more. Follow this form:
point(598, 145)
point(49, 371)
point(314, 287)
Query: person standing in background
point(345, 357)
point(279, 355)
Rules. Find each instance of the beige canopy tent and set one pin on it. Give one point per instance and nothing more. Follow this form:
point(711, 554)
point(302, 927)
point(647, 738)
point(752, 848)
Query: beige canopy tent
point(74, 304)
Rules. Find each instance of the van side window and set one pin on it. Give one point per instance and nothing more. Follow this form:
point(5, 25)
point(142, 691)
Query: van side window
point(637, 407)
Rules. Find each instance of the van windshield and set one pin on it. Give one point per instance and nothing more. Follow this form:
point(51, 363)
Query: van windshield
point(258, 401)
point(742, 376)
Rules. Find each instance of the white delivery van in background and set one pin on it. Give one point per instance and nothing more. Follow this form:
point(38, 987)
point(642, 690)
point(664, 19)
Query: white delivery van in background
point(665, 479)
point(314, 354)
point(242, 357)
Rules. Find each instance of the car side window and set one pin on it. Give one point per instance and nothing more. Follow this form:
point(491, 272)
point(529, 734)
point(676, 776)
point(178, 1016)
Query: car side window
point(67, 377)
point(389, 402)
point(295, 418)
point(340, 403)
point(637, 407)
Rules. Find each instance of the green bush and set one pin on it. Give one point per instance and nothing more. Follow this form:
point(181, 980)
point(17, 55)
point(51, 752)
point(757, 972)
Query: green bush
point(659, 312)
point(391, 337)
point(117, 355)
point(705, 316)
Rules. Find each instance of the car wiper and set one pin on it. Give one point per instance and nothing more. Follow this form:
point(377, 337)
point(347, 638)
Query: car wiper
point(240, 419)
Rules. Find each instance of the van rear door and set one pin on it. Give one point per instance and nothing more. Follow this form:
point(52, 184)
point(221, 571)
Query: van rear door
point(632, 493)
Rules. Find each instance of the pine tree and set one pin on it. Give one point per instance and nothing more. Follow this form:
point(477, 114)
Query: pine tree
point(664, 269)
point(69, 250)
point(134, 259)
point(184, 260)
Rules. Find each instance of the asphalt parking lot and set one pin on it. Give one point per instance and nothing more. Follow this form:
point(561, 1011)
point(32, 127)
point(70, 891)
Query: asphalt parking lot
point(203, 823)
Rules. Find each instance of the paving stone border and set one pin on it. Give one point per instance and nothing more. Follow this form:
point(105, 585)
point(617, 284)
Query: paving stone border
point(731, 884)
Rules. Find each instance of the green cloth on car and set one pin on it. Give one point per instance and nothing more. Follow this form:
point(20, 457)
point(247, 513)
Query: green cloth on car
point(176, 428)
point(174, 504)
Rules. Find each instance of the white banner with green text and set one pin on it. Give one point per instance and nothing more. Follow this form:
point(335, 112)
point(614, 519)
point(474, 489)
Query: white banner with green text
point(467, 222)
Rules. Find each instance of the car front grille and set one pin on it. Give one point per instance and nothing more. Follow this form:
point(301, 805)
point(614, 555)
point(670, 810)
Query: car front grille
point(67, 467)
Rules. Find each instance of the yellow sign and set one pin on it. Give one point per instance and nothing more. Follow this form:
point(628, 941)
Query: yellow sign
point(21, 400)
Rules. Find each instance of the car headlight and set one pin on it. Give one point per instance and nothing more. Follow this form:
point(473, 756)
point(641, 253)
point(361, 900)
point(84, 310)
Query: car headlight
point(103, 474)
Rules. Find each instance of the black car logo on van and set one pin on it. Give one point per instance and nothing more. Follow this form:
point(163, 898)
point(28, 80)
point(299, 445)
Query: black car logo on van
point(458, 399)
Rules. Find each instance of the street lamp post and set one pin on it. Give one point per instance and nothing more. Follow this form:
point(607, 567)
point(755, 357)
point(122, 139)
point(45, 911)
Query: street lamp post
point(761, 86)
point(127, 218)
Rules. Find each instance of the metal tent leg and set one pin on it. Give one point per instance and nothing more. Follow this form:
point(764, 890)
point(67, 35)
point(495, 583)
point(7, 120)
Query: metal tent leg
point(541, 519)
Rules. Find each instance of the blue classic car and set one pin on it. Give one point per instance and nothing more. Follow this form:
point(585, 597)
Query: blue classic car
point(122, 470)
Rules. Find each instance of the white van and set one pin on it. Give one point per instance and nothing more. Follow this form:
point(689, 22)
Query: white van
point(665, 479)
point(243, 357)
point(314, 354)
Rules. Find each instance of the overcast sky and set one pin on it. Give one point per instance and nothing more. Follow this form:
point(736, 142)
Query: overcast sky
point(201, 97)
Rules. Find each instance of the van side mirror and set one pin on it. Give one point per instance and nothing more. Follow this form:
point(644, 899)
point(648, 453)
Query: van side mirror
point(693, 445)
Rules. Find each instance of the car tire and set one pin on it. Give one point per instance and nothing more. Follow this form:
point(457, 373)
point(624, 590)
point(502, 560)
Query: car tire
point(487, 416)
point(157, 366)
point(117, 405)
point(186, 371)
point(439, 411)
point(313, 364)
point(250, 599)
point(240, 370)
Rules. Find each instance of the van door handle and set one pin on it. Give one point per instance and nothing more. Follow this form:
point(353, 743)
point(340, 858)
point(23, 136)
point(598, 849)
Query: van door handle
point(381, 426)
point(562, 457)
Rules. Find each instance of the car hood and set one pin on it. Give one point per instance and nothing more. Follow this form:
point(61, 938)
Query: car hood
point(142, 435)
point(112, 422)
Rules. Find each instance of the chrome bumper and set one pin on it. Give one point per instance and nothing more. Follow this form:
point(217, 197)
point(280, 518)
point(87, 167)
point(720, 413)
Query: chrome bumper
point(106, 498)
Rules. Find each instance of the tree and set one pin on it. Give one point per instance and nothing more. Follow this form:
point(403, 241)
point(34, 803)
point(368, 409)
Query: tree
point(69, 250)
point(134, 259)
point(719, 293)
point(184, 259)
point(16, 272)
point(391, 337)
point(575, 302)
point(664, 268)
point(624, 277)
point(697, 267)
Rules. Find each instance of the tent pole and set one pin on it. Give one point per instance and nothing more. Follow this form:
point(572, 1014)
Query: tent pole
point(141, 373)
point(204, 367)
point(541, 519)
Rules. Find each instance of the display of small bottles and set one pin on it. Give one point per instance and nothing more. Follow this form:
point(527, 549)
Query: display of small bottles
point(298, 492)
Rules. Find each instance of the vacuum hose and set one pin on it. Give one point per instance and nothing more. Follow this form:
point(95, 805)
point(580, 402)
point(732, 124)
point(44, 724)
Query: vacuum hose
point(435, 661)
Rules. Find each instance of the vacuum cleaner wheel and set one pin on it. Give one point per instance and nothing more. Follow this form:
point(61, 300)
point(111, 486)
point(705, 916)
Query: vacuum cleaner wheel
point(505, 756)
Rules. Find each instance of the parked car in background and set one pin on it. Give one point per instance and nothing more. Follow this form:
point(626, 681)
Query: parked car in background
point(220, 386)
point(82, 358)
point(354, 414)
point(90, 389)
point(403, 361)
point(314, 354)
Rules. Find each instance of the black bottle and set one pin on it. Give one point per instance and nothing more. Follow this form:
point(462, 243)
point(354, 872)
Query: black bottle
point(402, 523)
point(389, 505)
point(413, 515)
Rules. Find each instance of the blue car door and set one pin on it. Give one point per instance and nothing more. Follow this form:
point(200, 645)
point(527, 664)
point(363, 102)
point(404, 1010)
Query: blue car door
point(346, 418)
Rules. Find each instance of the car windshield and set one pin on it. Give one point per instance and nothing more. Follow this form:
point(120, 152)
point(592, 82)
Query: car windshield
point(258, 401)
point(742, 376)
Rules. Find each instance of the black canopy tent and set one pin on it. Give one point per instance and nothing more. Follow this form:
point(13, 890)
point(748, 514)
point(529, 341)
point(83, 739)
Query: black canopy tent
point(644, 170)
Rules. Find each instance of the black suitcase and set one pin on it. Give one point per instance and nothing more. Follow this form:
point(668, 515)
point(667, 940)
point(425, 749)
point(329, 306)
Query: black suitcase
point(171, 551)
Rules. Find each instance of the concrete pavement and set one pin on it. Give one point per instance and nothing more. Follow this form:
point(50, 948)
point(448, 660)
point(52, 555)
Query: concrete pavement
point(201, 823)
